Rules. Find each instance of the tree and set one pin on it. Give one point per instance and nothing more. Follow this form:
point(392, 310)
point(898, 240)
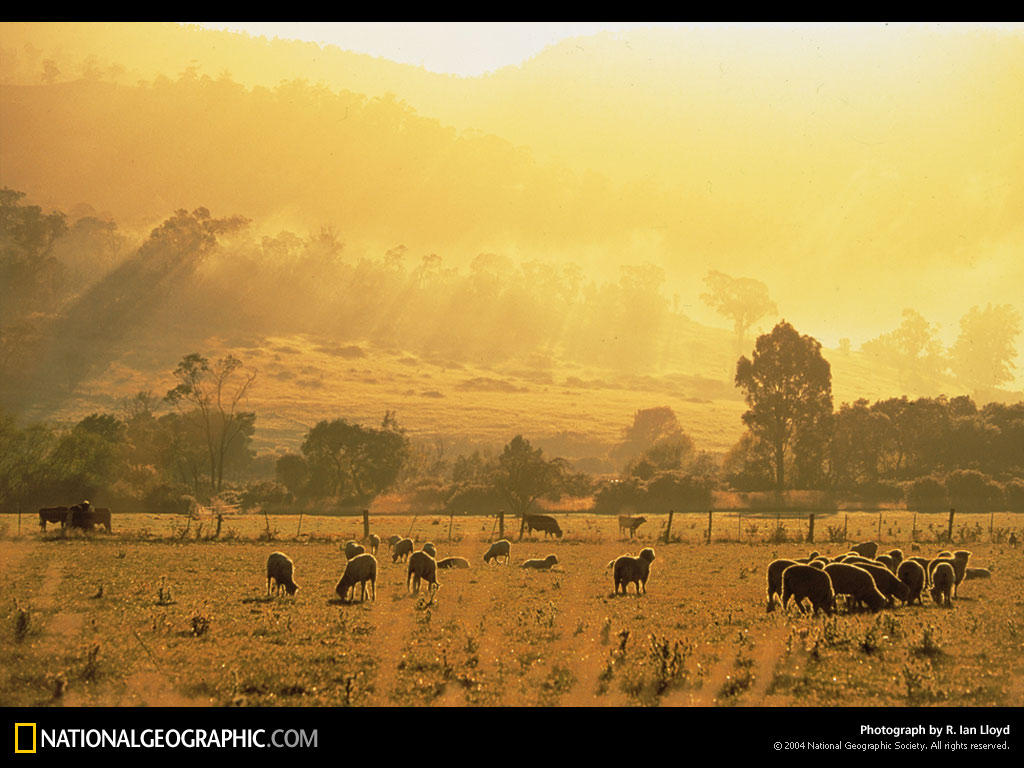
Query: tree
point(982, 356)
point(743, 299)
point(355, 462)
point(292, 471)
point(788, 390)
point(216, 392)
point(524, 475)
point(913, 348)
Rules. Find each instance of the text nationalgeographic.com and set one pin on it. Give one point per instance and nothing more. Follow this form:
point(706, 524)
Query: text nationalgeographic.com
point(160, 738)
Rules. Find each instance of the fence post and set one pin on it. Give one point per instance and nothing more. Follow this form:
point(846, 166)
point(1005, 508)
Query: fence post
point(668, 528)
point(991, 523)
point(739, 526)
point(846, 527)
point(810, 529)
point(366, 525)
point(913, 532)
point(709, 526)
point(879, 526)
point(501, 523)
point(949, 528)
point(450, 521)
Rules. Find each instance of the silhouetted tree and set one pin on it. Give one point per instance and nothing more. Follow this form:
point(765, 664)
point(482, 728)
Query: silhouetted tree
point(523, 475)
point(788, 390)
point(982, 356)
point(742, 299)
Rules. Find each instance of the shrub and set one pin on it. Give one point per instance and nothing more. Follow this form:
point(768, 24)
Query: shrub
point(1014, 492)
point(169, 498)
point(973, 491)
point(927, 494)
point(266, 492)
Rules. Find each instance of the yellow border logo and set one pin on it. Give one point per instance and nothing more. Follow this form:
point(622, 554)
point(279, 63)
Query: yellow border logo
point(17, 741)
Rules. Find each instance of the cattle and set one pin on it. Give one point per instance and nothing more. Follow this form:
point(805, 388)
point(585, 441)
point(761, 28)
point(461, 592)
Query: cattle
point(88, 517)
point(626, 522)
point(53, 515)
point(544, 523)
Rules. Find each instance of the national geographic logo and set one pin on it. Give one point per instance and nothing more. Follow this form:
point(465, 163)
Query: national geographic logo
point(25, 738)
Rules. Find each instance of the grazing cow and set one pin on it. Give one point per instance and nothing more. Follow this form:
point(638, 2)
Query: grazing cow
point(627, 522)
point(544, 523)
point(53, 515)
point(87, 517)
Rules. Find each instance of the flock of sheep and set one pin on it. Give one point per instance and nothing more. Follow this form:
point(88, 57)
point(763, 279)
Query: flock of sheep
point(422, 565)
point(864, 578)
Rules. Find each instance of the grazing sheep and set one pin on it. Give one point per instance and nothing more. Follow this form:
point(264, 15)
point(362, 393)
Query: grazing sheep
point(352, 549)
point(858, 560)
point(866, 549)
point(500, 548)
point(923, 562)
point(628, 523)
point(547, 562)
point(857, 583)
point(359, 570)
point(958, 561)
point(392, 540)
point(374, 543)
point(402, 551)
point(774, 578)
point(430, 549)
point(453, 562)
point(977, 573)
point(943, 579)
point(805, 582)
point(806, 560)
point(544, 523)
point(888, 561)
point(890, 586)
point(633, 570)
point(911, 573)
point(819, 564)
point(421, 567)
point(281, 569)
point(897, 556)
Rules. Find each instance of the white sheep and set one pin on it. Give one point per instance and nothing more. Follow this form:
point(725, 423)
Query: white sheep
point(421, 567)
point(539, 565)
point(943, 581)
point(374, 543)
point(392, 540)
point(500, 548)
point(281, 569)
point(633, 570)
point(359, 570)
point(453, 562)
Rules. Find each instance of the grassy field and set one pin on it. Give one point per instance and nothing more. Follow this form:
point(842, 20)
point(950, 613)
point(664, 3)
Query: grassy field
point(153, 615)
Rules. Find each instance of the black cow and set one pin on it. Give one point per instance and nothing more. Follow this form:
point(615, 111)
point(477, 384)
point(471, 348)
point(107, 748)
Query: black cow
point(544, 523)
point(88, 517)
point(53, 515)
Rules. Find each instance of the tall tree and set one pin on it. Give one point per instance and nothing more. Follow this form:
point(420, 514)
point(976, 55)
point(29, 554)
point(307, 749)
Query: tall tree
point(788, 390)
point(217, 392)
point(982, 356)
point(742, 299)
point(524, 475)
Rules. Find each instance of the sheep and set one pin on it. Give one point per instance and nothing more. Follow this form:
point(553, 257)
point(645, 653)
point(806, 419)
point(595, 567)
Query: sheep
point(430, 549)
point(374, 543)
point(977, 573)
point(402, 550)
point(774, 578)
point(805, 560)
point(911, 573)
point(943, 579)
point(628, 523)
point(857, 583)
point(392, 540)
point(923, 562)
point(801, 582)
point(421, 567)
point(887, 583)
point(360, 569)
point(958, 561)
point(866, 549)
point(547, 562)
point(352, 549)
point(888, 561)
point(281, 569)
point(500, 548)
point(897, 556)
point(633, 570)
point(453, 562)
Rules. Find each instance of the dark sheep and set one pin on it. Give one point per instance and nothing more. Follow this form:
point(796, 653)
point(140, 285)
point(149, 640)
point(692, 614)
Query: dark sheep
point(430, 549)
point(923, 562)
point(402, 551)
point(866, 549)
point(897, 556)
point(911, 573)
point(805, 582)
point(633, 570)
point(392, 540)
point(805, 560)
point(888, 584)
point(943, 581)
point(352, 549)
point(281, 569)
point(857, 584)
point(500, 548)
point(422, 567)
point(958, 561)
point(359, 570)
point(774, 579)
point(539, 565)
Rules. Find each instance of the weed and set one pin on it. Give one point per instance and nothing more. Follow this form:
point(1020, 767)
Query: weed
point(778, 535)
point(836, 534)
point(606, 630)
point(91, 670)
point(22, 621)
point(931, 643)
point(163, 594)
point(200, 624)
